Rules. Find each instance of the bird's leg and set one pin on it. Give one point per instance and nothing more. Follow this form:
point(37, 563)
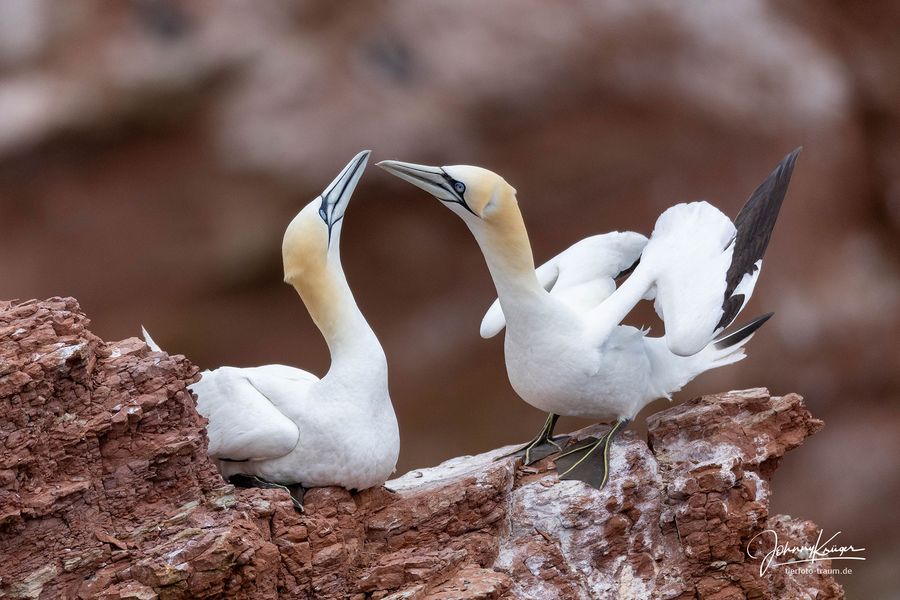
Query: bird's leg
point(250, 481)
point(590, 462)
point(297, 492)
point(542, 445)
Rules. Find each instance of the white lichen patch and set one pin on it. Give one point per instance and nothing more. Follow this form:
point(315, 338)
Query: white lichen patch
point(451, 469)
point(761, 445)
point(574, 517)
point(603, 584)
point(631, 586)
point(535, 564)
point(229, 500)
point(407, 594)
point(61, 352)
point(66, 352)
point(762, 487)
point(700, 455)
point(32, 585)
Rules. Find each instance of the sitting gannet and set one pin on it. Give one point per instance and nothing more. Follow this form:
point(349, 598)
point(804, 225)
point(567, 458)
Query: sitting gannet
point(278, 426)
point(566, 350)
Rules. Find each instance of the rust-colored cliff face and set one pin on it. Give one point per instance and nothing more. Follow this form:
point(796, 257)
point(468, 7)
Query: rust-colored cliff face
point(106, 492)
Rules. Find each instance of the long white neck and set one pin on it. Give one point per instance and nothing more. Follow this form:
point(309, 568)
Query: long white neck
point(507, 252)
point(356, 353)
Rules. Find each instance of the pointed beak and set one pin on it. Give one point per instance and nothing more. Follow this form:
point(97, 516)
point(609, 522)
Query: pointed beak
point(337, 195)
point(431, 179)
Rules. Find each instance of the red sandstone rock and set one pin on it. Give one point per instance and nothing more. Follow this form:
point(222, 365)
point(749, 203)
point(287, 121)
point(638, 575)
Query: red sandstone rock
point(106, 492)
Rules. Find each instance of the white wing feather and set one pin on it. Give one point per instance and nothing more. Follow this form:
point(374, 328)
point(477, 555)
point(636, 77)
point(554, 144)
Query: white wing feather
point(244, 409)
point(581, 276)
point(149, 340)
point(687, 258)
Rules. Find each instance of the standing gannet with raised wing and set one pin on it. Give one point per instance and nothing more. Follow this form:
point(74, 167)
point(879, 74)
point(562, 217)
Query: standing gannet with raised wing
point(566, 350)
point(278, 426)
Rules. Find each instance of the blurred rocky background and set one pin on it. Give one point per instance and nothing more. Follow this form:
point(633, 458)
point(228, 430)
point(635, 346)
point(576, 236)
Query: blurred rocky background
point(152, 152)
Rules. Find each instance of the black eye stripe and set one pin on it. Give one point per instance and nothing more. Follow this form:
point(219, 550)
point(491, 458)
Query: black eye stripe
point(456, 186)
point(459, 192)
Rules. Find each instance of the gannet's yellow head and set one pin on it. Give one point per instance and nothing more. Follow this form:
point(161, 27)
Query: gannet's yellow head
point(479, 196)
point(312, 239)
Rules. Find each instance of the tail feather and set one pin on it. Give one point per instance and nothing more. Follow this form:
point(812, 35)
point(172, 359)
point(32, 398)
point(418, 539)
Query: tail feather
point(741, 335)
point(672, 372)
point(149, 340)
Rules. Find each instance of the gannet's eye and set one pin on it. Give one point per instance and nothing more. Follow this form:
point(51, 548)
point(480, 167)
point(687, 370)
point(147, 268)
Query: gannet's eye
point(459, 186)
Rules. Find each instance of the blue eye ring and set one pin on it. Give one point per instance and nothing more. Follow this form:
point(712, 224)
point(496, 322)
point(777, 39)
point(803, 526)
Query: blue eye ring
point(459, 187)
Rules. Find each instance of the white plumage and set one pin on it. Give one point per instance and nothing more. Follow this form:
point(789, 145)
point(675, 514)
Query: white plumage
point(247, 410)
point(581, 276)
point(566, 350)
point(576, 359)
point(285, 425)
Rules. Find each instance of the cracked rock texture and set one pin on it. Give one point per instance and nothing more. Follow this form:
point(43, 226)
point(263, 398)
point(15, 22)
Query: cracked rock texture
point(106, 492)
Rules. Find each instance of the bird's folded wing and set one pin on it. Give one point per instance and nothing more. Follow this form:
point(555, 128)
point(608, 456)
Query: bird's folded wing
point(242, 406)
point(581, 276)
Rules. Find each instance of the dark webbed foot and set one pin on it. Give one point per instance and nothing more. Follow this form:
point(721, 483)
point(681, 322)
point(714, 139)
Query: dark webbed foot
point(589, 462)
point(295, 491)
point(538, 449)
point(542, 446)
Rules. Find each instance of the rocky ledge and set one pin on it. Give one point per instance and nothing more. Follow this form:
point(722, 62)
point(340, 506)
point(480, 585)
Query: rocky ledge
point(106, 492)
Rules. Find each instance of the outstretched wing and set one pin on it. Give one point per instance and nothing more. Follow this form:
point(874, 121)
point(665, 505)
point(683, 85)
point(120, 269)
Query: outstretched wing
point(582, 276)
point(243, 409)
point(704, 267)
point(754, 226)
point(686, 260)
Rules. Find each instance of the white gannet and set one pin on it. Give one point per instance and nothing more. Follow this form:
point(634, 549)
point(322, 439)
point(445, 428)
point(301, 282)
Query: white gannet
point(278, 426)
point(565, 348)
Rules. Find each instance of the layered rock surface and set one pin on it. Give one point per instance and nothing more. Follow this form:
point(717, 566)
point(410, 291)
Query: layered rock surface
point(106, 492)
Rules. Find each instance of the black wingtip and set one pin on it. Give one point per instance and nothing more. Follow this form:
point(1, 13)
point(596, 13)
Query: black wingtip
point(743, 332)
point(786, 167)
point(773, 189)
point(754, 225)
point(776, 184)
